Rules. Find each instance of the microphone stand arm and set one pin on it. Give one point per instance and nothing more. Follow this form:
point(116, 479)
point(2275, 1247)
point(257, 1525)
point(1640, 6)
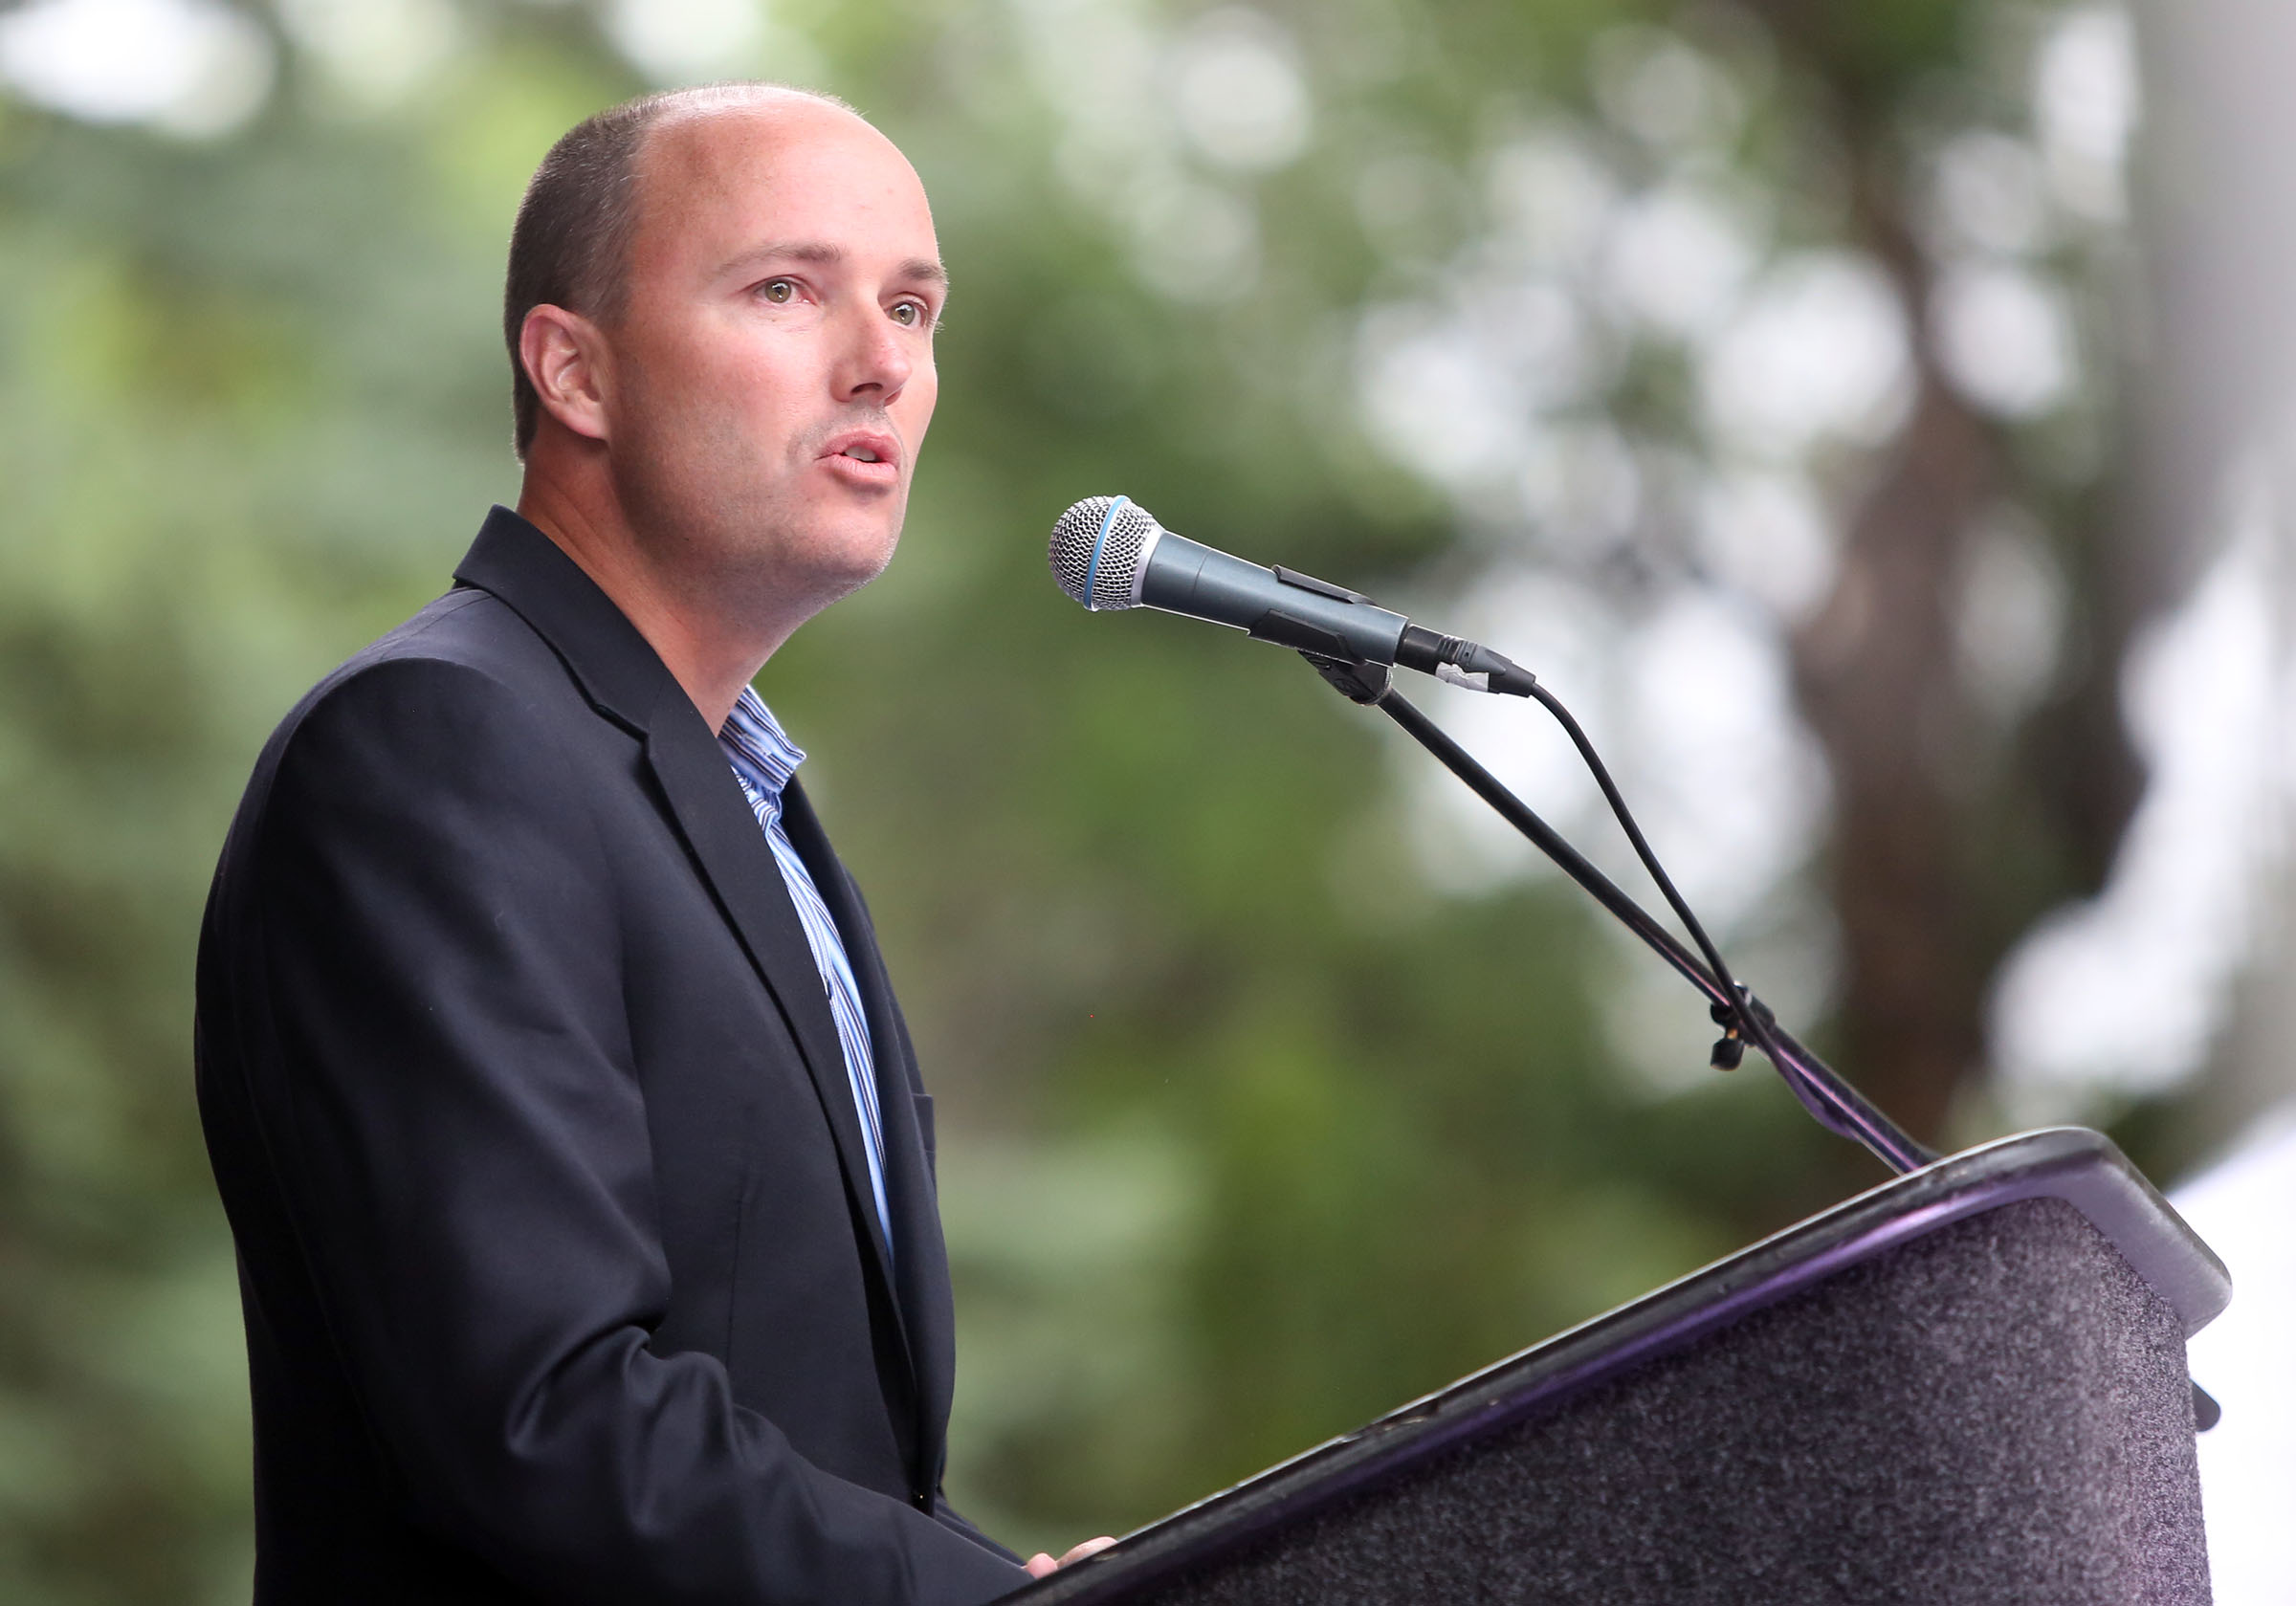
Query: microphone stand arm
point(1833, 1102)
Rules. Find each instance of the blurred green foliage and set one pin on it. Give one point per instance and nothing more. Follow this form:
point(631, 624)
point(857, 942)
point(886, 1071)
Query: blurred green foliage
point(1252, 1134)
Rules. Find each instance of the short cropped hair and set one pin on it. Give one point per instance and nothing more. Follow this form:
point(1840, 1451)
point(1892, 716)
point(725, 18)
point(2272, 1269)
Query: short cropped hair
point(571, 243)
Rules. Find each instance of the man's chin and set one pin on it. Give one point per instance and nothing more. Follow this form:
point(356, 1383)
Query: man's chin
point(836, 557)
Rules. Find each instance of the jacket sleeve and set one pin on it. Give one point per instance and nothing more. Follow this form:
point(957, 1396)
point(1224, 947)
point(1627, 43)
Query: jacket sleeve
point(449, 1101)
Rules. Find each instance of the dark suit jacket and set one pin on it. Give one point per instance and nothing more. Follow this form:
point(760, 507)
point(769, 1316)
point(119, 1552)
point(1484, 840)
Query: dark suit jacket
point(528, 1107)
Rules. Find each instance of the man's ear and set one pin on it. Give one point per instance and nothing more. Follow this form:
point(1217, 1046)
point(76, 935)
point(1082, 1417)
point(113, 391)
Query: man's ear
point(564, 355)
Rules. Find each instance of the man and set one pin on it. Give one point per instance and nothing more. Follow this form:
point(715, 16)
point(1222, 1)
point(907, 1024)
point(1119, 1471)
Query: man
point(568, 1128)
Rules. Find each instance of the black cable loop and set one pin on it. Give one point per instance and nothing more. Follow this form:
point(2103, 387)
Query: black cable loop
point(1634, 834)
point(1750, 1015)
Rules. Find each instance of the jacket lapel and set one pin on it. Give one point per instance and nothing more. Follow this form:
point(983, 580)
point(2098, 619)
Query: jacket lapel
point(709, 808)
point(920, 1258)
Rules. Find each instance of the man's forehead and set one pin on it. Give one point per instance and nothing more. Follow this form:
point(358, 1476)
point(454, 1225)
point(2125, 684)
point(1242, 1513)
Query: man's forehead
point(711, 163)
point(724, 142)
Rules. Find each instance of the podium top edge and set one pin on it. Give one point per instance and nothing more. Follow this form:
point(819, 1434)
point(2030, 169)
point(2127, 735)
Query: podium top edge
point(2079, 1166)
point(2088, 1170)
point(2075, 1165)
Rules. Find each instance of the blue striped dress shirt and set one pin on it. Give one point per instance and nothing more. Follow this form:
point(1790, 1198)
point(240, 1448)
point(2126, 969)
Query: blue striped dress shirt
point(763, 760)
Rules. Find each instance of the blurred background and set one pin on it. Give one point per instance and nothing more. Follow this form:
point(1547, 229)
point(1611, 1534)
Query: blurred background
point(1873, 419)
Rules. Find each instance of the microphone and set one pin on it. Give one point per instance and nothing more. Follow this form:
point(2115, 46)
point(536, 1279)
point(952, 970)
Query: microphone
point(1109, 553)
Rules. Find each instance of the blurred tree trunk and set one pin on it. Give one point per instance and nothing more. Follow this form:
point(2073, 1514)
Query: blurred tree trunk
point(1924, 919)
point(2209, 347)
point(1875, 676)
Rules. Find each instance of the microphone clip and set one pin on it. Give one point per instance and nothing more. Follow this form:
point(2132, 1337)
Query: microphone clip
point(1729, 1048)
point(1357, 682)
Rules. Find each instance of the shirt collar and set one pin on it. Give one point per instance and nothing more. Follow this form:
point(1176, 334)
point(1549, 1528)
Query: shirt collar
point(756, 741)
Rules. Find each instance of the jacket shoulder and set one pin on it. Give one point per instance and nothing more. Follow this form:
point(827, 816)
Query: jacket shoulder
point(463, 676)
point(467, 646)
point(465, 628)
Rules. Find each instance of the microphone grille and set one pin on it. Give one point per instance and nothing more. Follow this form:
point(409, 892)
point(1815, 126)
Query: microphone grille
point(1096, 551)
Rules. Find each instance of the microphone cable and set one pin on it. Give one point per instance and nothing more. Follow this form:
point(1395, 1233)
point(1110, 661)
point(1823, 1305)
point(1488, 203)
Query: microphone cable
point(1747, 1017)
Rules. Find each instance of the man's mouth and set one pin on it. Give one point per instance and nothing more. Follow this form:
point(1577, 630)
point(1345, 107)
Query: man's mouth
point(864, 446)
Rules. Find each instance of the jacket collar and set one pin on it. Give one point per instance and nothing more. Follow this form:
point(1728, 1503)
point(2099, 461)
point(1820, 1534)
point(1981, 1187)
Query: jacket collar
point(616, 668)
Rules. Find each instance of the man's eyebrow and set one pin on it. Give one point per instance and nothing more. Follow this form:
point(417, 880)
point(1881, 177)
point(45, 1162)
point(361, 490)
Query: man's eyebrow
point(917, 268)
point(784, 251)
point(924, 268)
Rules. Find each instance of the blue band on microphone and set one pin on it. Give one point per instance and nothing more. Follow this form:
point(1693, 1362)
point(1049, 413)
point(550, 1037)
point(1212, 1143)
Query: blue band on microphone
point(1091, 575)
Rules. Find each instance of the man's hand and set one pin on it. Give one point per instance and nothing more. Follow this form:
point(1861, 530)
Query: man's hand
point(1043, 1565)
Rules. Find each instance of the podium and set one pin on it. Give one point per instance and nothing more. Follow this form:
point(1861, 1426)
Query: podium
point(1966, 1385)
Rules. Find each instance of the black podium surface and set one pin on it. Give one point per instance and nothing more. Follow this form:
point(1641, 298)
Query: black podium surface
point(1967, 1385)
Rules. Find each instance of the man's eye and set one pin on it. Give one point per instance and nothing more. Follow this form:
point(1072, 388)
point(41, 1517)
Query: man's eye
point(908, 314)
point(778, 291)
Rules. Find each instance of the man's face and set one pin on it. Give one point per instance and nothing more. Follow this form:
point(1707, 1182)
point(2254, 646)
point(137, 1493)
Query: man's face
point(771, 374)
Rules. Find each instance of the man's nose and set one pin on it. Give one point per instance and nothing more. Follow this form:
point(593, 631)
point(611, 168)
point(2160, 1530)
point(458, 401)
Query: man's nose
point(874, 361)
